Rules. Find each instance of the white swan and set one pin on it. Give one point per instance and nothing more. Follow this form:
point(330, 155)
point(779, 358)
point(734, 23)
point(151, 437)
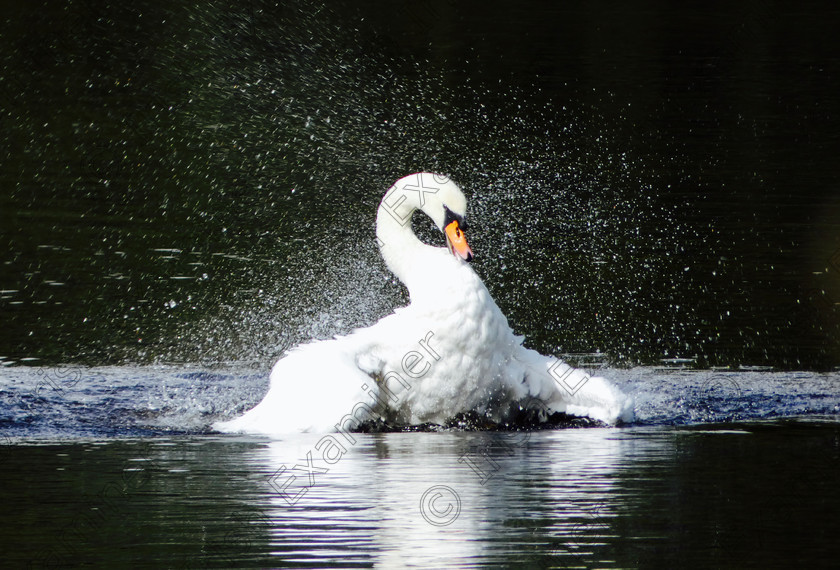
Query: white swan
point(449, 351)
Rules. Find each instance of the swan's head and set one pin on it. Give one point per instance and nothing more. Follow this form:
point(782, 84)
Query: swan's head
point(437, 197)
point(448, 209)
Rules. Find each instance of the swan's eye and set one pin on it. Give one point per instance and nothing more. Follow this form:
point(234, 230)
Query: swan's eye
point(453, 217)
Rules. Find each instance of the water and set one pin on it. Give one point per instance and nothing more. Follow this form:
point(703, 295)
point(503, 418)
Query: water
point(187, 191)
point(758, 493)
point(118, 465)
point(44, 404)
point(170, 174)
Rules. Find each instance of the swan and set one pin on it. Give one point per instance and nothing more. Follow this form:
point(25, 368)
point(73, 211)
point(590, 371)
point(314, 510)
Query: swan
point(449, 351)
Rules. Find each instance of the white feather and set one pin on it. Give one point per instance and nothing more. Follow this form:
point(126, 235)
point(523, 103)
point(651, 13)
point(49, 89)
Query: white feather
point(450, 351)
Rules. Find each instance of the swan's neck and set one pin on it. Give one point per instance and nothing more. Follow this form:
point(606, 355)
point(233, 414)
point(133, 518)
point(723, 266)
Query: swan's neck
point(400, 248)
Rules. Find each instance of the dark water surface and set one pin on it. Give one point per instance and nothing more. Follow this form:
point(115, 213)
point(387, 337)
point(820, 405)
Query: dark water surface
point(750, 495)
point(117, 466)
point(187, 191)
point(200, 183)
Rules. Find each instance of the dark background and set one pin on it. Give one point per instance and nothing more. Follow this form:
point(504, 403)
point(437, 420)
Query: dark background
point(199, 183)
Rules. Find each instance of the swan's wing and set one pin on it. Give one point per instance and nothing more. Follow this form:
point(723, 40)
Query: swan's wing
point(333, 385)
point(317, 387)
point(563, 388)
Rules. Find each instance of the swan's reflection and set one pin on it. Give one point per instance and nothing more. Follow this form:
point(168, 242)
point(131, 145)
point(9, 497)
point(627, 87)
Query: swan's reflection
point(443, 499)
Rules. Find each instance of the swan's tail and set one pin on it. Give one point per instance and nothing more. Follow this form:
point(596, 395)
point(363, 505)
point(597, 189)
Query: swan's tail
point(563, 388)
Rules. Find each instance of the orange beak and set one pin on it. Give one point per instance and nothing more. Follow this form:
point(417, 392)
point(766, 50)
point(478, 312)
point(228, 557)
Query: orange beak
point(457, 241)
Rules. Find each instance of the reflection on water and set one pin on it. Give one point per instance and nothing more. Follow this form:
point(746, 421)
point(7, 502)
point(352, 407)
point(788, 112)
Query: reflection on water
point(610, 498)
point(704, 475)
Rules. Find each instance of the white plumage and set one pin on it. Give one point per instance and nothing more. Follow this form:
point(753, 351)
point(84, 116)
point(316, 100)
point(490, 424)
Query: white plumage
point(449, 351)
